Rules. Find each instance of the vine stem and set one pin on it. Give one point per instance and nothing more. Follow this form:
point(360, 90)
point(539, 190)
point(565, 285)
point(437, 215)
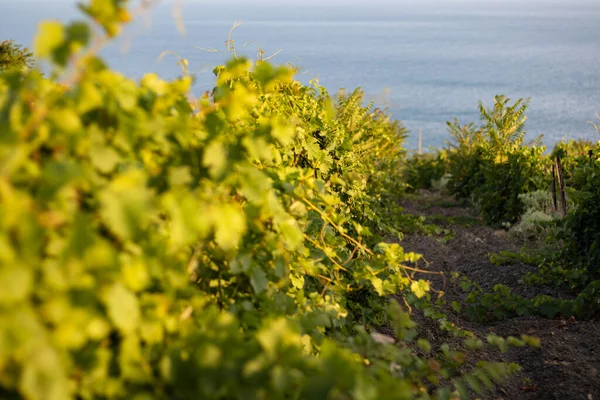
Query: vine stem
point(314, 243)
point(339, 229)
point(358, 244)
point(422, 271)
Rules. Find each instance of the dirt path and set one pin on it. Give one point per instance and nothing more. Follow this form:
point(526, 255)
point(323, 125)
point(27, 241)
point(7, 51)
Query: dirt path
point(567, 366)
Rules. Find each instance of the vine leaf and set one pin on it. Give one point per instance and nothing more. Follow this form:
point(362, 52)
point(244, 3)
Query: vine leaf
point(123, 308)
point(50, 36)
point(420, 288)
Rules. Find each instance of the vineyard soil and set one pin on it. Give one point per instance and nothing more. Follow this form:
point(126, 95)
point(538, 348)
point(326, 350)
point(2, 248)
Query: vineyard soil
point(567, 366)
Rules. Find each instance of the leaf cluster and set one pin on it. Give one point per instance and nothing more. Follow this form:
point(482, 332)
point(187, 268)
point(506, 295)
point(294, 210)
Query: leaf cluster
point(14, 57)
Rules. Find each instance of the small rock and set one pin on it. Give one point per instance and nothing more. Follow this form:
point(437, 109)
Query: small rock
point(501, 233)
point(382, 339)
point(563, 323)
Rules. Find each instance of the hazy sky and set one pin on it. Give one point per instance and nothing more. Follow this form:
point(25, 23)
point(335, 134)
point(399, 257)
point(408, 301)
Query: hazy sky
point(413, 3)
point(479, 3)
point(409, 4)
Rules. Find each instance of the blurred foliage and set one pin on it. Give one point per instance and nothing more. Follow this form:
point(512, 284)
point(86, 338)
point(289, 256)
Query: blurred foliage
point(154, 245)
point(14, 56)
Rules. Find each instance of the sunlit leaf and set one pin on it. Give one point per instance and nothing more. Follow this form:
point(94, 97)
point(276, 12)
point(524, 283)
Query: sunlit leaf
point(50, 35)
point(123, 308)
point(420, 288)
point(230, 225)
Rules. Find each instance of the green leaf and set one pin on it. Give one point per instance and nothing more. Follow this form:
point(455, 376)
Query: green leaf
point(259, 280)
point(514, 342)
point(497, 341)
point(81, 237)
point(443, 394)
point(420, 288)
point(230, 225)
point(50, 35)
point(123, 308)
point(215, 159)
point(126, 95)
point(78, 32)
point(263, 73)
point(66, 120)
point(105, 159)
point(462, 389)
point(424, 345)
point(297, 281)
point(329, 109)
point(43, 376)
point(532, 341)
point(241, 264)
point(283, 132)
point(291, 234)
point(550, 308)
point(473, 344)
point(456, 306)
point(567, 308)
point(179, 176)
point(89, 97)
point(473, 382)
point(125, 204)
point(98, 329)
point(16, 283)
point(153, 82)
point(277, 335)
point(378, 285)
point(135, 275)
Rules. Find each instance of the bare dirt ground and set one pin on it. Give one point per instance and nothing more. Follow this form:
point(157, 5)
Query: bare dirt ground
point(567, 366)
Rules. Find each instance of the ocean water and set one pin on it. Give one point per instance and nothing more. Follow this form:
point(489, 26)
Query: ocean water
point(426, 63)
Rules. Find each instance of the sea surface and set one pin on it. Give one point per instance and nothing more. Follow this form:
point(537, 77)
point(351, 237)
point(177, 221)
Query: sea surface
point(427, 62)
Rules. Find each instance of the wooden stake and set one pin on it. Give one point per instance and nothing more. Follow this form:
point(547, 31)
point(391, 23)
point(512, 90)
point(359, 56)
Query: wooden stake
point(553, 188)
point(561, 183)
point(420, 142)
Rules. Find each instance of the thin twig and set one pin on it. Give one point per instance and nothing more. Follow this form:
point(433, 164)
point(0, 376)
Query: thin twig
point(326, 218)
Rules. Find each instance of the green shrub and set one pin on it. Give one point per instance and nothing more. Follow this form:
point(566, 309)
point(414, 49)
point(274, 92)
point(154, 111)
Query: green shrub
point(572, 153)
point(539, 219)
point(534, 226)
point(14, 56)
point(492, 165)
point(465, 159)
point(522, 171)
point(423, 170)
point(539, 200)
point(582, 224)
